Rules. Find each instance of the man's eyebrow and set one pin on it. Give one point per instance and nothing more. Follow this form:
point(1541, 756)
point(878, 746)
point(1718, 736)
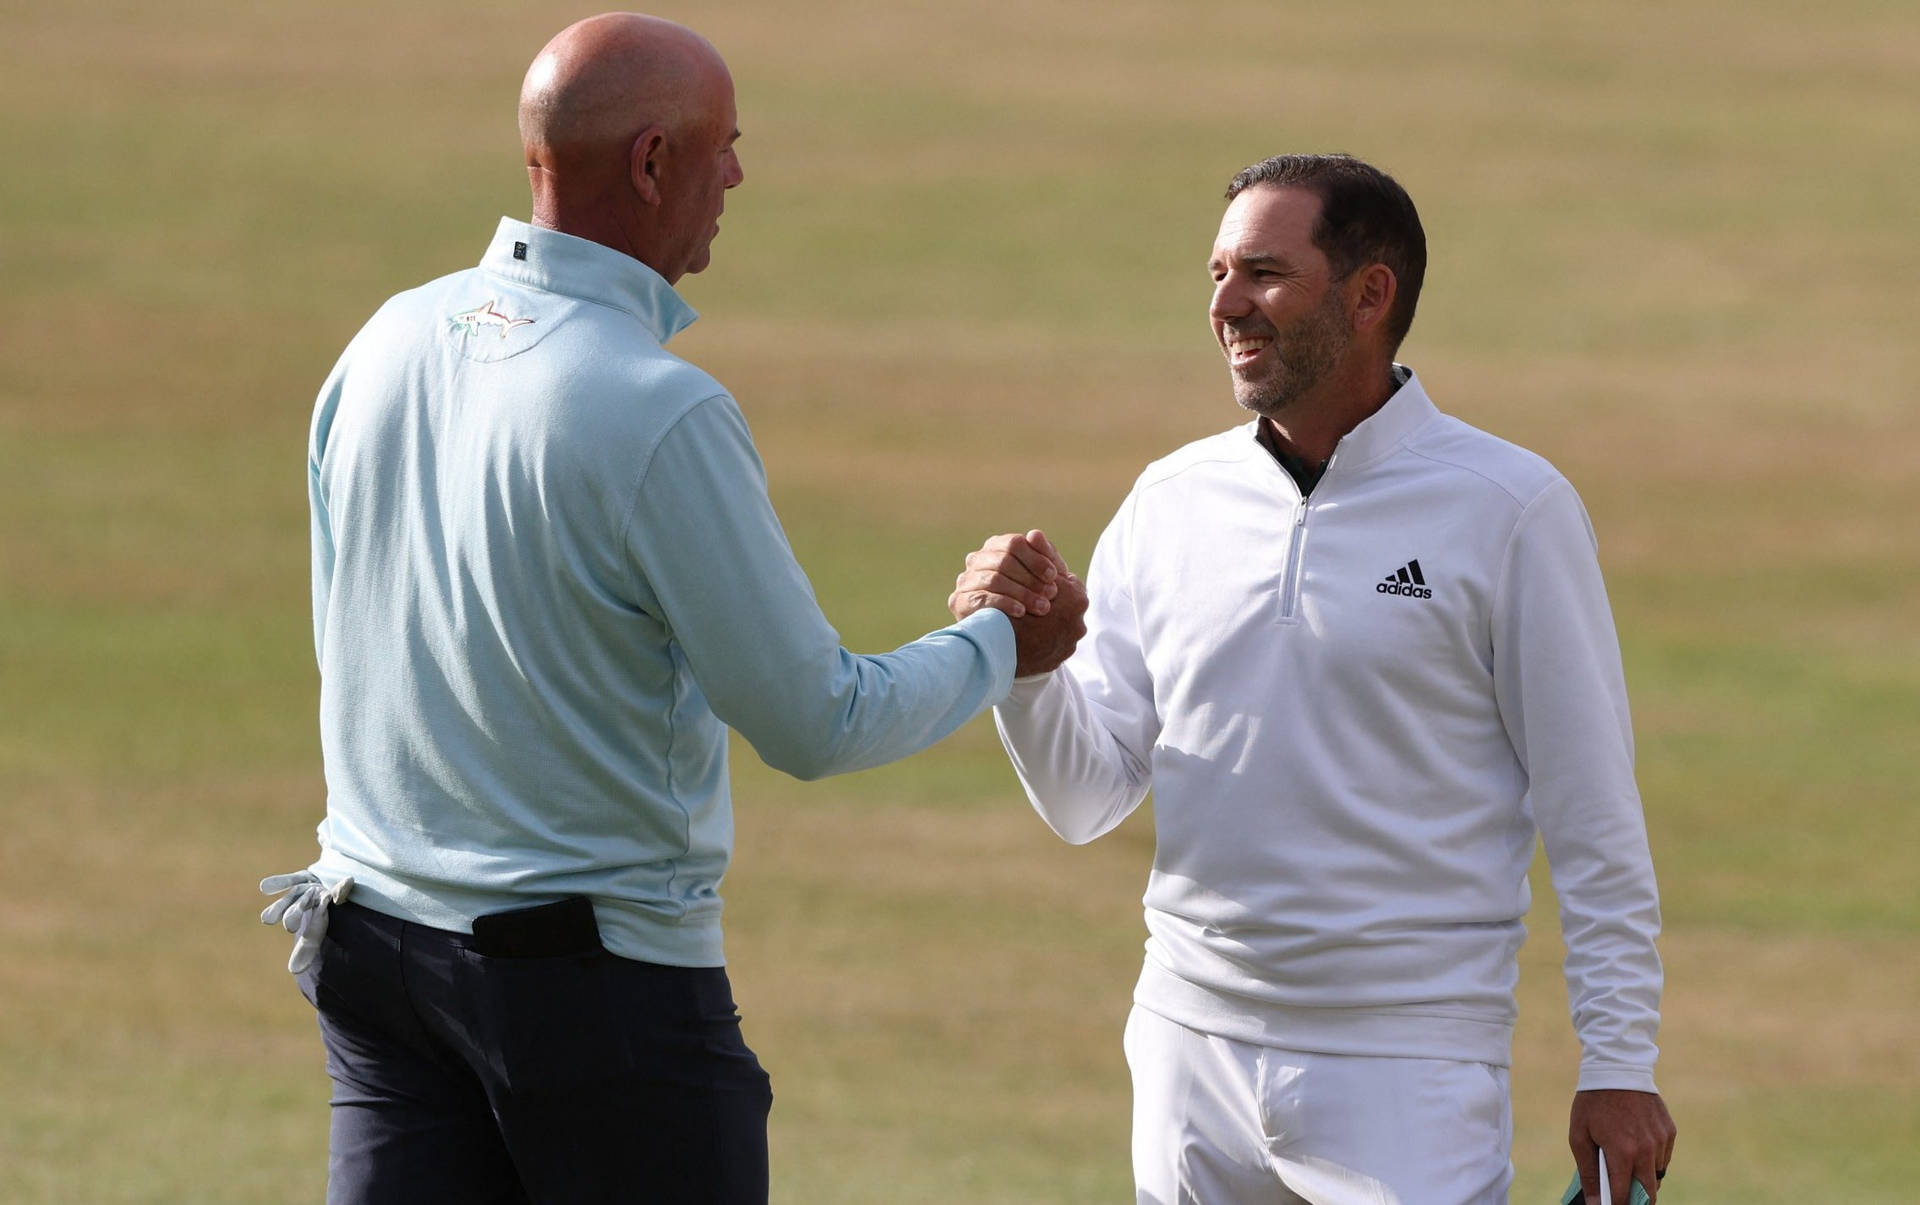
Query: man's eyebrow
point(1258, 259)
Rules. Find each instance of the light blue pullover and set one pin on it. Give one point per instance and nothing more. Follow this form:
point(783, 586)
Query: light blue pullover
point(546, 578)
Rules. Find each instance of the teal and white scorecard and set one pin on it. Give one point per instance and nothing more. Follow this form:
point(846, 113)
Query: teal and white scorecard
point(1572, 1196)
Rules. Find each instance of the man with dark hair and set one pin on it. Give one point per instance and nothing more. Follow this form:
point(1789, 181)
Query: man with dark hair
point(546, 579)
point(1361, 653)
point(1365, 218)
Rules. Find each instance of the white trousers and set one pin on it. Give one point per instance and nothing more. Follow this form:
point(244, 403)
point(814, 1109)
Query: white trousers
point(1218, 1122)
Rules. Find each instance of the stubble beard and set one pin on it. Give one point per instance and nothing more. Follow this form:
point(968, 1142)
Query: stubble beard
point(1307, 351)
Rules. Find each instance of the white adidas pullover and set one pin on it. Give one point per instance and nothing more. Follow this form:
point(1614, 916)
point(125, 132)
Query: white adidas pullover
point(1348, 765)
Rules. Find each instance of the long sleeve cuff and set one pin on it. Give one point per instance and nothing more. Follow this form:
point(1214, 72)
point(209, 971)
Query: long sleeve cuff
point(1619, 1076)
point(991, 630)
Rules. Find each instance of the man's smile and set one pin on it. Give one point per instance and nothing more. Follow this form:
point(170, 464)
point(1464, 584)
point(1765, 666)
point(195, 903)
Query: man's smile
point(1243, 349)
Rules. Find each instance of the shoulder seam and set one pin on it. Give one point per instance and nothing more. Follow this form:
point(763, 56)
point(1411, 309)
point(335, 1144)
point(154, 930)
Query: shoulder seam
point(1555, 475)
point(1161, 471)
point(640, 477)
point(1513, 535)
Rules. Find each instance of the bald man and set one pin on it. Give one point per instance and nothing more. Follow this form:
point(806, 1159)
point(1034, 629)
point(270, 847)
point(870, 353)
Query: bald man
point(546, 578)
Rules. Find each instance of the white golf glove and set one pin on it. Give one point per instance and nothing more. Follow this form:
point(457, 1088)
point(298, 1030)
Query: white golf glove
point(302, 911)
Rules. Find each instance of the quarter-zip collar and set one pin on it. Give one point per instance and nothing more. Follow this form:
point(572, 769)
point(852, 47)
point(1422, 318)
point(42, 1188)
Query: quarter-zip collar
point(1381, 432)
point(576, 267)
point(1377, 435)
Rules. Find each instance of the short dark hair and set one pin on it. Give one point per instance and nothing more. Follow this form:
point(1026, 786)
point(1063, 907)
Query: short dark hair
point(1365, 218)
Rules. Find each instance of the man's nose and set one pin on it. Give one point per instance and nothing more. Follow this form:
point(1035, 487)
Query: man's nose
point(1229, 301)
point(735, 173)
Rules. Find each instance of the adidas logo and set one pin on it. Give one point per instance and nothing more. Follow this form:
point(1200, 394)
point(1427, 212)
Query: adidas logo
point(1405, 581)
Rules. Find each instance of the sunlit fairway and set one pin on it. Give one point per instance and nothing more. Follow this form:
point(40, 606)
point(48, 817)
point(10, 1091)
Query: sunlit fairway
point(962, 291)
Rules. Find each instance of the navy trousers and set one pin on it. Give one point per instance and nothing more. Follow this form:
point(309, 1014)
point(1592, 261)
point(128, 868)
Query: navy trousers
point(530, 1078)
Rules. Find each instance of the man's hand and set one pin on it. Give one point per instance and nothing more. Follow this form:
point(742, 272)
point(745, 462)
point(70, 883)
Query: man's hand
point(1042, 642)
point(1634, 1129)
point(1025, 576)
point(1014, 573)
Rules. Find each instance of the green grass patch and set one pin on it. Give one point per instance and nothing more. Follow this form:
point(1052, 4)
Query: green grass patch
point(962, 292)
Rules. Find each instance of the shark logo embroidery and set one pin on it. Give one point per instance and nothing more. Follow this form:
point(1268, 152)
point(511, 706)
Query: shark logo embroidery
point(476, 320)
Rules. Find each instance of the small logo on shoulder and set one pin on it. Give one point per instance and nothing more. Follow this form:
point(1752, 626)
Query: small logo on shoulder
point(486, 318)
point(1406, 581)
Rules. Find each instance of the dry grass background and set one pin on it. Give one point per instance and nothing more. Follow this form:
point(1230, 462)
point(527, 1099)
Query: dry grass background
point(961, 291)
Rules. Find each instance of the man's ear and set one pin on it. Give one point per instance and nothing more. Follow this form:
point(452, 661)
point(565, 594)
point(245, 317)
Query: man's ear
point(644, 163)
point(1372, 291)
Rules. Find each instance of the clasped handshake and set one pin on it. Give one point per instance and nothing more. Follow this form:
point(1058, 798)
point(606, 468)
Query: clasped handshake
point(1025, 576)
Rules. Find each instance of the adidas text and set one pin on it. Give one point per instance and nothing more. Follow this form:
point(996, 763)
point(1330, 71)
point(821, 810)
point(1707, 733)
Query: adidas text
point(1406, 581)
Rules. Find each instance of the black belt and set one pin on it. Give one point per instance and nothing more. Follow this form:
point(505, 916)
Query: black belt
point(557, 930)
